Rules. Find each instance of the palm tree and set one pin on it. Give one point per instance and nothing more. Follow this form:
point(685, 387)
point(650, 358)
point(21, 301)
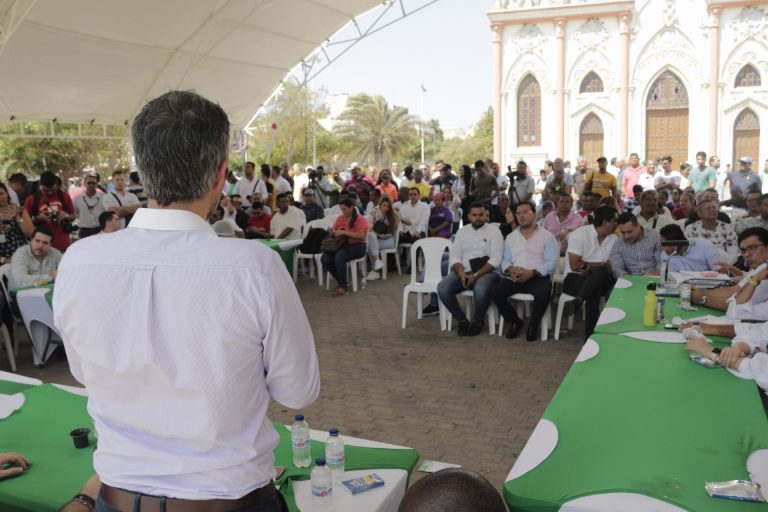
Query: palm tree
point(374, 129)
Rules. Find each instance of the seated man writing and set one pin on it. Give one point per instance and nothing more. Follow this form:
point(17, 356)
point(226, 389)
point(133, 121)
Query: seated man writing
point(476, 253)
point(36, 263)
point(695, 255)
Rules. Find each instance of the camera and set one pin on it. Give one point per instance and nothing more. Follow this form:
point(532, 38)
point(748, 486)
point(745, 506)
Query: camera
point(54, 216)
point(513, 174)
point(313, 175)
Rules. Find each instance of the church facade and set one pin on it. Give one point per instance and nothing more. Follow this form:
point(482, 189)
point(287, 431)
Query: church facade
point(655, 77)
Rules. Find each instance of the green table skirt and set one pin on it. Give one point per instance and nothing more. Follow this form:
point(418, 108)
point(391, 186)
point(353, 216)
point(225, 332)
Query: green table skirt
point(641, 417)
point(48, 296)
point(286, 256)
point(40, 431)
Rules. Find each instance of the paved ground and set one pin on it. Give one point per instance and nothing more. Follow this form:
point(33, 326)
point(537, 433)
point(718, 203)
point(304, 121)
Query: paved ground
point(469, 401)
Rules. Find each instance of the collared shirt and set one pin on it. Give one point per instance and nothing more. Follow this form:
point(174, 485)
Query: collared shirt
point(552, 224)
point(667, 177)
point(117, 200)
point(246, 189)
point(539, 252)
point(422, 187)
point(197, 335)
point(756, 308)
point(360, 226)
point(471, 243)
point(292, 218)
point(26, 269)
point(88, 209)
point(638, 258)
point(700, 255)
point(282, 186)
point(583, 242)
point(629, 179)
point(723, 236)
point(750, 222)
point(656, 222)
point(417, 215)
point(756, 337)
point(743, 181)
point(646, 181)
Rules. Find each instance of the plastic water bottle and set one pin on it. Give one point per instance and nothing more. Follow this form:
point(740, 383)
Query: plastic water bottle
point(322, 487)
point(334, 455)
point(301, 442)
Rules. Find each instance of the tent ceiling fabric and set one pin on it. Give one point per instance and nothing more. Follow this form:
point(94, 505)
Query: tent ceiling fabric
point(78, 60)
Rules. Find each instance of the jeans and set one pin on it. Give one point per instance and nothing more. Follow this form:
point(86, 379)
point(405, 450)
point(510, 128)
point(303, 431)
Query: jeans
point(539, 287)
point(336, 262)
point(274, 503)
point(376, 245)
point(590, 290)
point(451, 285)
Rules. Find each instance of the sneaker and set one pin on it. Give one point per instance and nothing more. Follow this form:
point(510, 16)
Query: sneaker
point(430, 310)
point(378, 265)
point(572, 307)
point(372, 275)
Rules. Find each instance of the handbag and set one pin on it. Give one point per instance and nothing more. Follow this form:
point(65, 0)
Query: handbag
point(381, 227)
point(333, 243)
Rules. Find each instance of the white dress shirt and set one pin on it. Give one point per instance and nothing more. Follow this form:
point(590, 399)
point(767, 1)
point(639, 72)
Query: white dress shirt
point(88, 209)
point(583, 242)
point(281, 185)
point(754, 367)
point(539, 252)
point(755, 308)
point(245, 188)
point(292, 218)
point(471, 243)
point(417, 214)
point(196, 335)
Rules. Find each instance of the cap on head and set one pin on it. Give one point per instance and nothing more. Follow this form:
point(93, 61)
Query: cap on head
point(745, 160)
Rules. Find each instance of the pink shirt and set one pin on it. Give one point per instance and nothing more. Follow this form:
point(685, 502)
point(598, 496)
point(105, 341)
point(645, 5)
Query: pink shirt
point(630, 178)
point(360, 226)
point(552, 224)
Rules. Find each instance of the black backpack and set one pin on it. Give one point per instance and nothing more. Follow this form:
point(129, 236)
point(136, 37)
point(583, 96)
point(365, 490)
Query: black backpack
point(313, 240)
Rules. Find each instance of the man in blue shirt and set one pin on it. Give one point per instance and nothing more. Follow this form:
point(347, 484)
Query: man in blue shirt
point(695, 255)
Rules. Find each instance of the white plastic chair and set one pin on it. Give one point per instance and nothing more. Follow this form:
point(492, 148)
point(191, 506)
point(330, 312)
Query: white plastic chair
point(493, 313)
point(312, 258)
point(352, 272)
point(564, 297)
point(432, 250)
point(383, 256)
point(523, 299)
point(38, 318)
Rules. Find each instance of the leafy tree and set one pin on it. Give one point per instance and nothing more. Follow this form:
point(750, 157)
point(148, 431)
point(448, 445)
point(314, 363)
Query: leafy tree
point(375, 131)
point(433, 140)
point(457, 151)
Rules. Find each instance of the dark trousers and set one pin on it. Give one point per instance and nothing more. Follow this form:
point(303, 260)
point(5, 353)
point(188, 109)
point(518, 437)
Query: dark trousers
point(274, 503)
point(590, 290)
point(336, 262)
point(539, 287)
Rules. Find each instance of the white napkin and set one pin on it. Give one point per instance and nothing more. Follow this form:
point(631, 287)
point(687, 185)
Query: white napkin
point(10, 403)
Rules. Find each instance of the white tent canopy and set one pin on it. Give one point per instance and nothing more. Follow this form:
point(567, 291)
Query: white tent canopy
point(83, 60)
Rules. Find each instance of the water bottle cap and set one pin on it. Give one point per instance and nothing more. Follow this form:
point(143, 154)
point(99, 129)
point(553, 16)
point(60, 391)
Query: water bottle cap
point(320, 462)
point(651, 286)
point(334, 431)
point(299, 417)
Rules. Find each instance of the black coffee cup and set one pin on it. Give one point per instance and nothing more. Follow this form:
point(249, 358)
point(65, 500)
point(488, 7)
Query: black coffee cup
point(80, 437)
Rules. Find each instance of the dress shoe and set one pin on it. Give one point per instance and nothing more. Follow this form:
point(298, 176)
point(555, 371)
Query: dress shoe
point(474, 329)
point(463, 327)
point(430, 310)
point(572, 307)
point(532, 334)
point(514, 329)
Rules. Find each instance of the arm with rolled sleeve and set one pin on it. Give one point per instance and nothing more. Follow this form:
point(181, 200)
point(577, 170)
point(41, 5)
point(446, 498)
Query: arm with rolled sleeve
point(754, 335)
point(551, 257)
point(756, 368)
point(497, 248)
point(290, 359)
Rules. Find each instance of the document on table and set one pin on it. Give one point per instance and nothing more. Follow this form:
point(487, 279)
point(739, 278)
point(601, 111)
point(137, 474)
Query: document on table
point(432, 466)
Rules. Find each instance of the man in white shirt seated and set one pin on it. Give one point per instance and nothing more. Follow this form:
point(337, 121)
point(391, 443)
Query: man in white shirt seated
point(287, 221)
point(695, 255)
point(588, 275)
point(178, 391)
point(475, 255)
point(414, 217)
point(530, 258)
point(121, 201)
point(35, 263)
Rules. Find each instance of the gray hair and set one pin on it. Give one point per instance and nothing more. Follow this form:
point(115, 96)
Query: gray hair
point(180, 140)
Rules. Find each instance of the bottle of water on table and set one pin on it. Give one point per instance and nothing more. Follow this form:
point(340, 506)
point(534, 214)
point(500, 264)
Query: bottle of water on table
point(334, 455)
point(322, 487)
point(300, 442)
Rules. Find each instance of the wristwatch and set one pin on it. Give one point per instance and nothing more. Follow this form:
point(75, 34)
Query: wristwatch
point(703, 300)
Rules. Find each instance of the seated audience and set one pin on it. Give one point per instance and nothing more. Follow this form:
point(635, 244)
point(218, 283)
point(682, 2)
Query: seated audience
point(402, 197)
point(630, 203)
point(35, 263)
point(760, 218)
point(696, 255)
point(15, 228)
point(510, 223)
point(454, 204)
point(414, 217)
point(312, 210)
point(352, 226)
point(648, 216)
point(588, 205)
point(386, 186)
point(258, 224)
point(563, 221)
point(287, 221)
point(440, 218)
point(475, 254)
point(499, 210)
point(109, 222)
point(637, 251)
point(717, 232)
point(709, 194)
point(530, 258)
point(686, 207)
point(587, 272)
point(381, 234)
point(452, 490)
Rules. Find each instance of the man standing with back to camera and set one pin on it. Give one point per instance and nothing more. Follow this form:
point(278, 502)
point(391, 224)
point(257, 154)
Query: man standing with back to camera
point(179, 385)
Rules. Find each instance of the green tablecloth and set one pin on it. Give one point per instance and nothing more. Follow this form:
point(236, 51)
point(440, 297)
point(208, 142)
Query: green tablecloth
point(40, 431)
point(287, 256)
point(9, 388)
point(641, 417)
point(48, 296)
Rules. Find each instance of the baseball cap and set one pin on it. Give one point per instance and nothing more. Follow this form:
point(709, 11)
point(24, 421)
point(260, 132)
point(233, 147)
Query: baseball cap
point(309, 192)
point(746, 159)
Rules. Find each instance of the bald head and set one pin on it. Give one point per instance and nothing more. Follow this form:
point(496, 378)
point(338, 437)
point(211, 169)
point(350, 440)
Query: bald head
point(452, 490)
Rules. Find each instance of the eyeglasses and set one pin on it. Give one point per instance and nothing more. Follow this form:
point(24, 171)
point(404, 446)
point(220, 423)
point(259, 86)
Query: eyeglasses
point(750, 249)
